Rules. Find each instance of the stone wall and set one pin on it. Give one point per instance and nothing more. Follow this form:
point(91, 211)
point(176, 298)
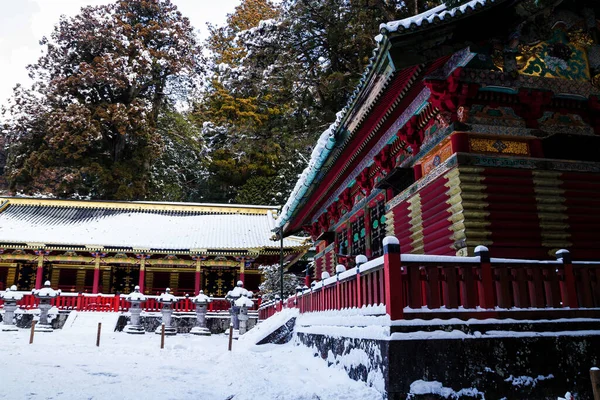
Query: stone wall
point(183, 322)
point(508, 364)
point(23, 320)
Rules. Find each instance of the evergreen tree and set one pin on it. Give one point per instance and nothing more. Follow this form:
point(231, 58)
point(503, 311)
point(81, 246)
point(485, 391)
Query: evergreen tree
point(271, 285)
point(278, 83)
point(90, 124)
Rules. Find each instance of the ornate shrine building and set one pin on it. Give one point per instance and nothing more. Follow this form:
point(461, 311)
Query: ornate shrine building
point(476, 125)
point(109, 247)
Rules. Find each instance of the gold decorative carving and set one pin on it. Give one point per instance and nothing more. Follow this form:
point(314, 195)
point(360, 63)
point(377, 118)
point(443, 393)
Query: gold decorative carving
point(581, 38)
point(436, 157)
point(482, 145)
point(596, 81)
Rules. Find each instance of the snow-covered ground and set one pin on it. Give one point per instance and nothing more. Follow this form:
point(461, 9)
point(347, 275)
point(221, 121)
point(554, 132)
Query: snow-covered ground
point(66, 364)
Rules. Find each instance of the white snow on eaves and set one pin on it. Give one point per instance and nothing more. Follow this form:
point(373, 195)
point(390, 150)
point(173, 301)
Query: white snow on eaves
point(421, 387)
point(321, 151)
point(439, 13)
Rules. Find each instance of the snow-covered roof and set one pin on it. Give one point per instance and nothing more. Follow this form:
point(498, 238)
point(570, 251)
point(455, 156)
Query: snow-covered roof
point(135, 296)
point(167, 297)
point(243, 300)
point(201, 298)
point(46, 291)
point(176, 227)
point(11, 294)
point(433, 16)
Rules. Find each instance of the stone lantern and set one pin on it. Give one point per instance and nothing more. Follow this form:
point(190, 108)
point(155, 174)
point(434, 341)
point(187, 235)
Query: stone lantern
point(232, 296)
point(201, 301)
point(45, 295)
point(243, 303)
point(10, 298)
point(167, 300)
point(135, 299)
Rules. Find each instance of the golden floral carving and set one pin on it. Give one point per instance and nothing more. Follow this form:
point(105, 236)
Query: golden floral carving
point(479, 145)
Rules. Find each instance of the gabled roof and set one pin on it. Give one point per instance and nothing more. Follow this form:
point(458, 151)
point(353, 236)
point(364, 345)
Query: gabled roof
point(405, 43)
point(139, 225)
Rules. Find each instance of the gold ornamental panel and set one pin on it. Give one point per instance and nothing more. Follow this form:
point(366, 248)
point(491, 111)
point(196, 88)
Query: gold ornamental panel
point(483, 145)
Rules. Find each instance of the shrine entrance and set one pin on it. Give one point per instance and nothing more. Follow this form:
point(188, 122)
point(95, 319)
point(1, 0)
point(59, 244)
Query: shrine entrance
point(217, 281)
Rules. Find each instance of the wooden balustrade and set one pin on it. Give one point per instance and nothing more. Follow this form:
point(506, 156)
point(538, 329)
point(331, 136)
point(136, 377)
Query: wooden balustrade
point(419, 286)
point(114, 303)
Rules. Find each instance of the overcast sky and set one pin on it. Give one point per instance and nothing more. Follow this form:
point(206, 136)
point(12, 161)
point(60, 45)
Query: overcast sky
point(24, 22)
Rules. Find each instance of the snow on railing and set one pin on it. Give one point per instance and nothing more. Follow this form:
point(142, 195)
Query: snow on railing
point(115, 303)
point(481, 286)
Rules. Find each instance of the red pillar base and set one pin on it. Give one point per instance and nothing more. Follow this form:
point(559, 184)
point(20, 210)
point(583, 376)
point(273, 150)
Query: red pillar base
point(38, 277)
point(197, 285)
point(141, 281)
point(96, 280)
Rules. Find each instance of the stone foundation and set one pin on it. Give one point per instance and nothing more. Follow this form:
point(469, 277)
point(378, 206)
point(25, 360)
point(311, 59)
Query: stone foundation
point(183, 322)
point(24, 319)
point(512, 363)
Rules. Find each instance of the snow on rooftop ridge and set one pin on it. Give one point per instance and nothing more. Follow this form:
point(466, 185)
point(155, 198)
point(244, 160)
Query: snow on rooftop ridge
point(436, 14)
point(321, 150)
point(16, 199)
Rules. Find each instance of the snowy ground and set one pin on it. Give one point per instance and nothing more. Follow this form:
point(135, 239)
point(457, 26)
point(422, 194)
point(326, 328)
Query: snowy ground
point(66, 364)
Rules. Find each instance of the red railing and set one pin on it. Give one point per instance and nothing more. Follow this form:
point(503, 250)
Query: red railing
point(418, 286)
point(108, 303)
point(268, 308)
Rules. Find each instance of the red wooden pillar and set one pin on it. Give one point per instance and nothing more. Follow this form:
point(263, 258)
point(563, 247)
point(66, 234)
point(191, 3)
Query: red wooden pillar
point(197, 276)
point(338, 289)
point(570, 299)
point(96, 282)
point(242, 270)
point(142, 279)
point(360, 260)
point(486, 291)
point(307, 277)
point(392, 267)
point(39, 273)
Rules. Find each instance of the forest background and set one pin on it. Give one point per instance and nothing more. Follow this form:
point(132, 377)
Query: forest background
point(127, 104)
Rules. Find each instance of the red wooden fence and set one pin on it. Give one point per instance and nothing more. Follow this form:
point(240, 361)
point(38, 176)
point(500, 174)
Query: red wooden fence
point(115, 303)
point(419, 286)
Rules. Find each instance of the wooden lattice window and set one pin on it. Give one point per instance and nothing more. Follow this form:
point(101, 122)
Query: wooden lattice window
point(359, 240)
point(377, 214)
point(342, 241)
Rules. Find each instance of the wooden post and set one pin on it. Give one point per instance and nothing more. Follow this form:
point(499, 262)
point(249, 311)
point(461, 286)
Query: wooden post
point(98, 335)
point(32, 331)
point(360, 260)
point(392, 267)
point(117, 302)
point(162, 336)
point(96, 281)
point(198, 276)
point(487, 279)
point(39, 273)
point(595, 377)
point(571, 295)
point(142, 281)
point(78, 306)
point(230, 335)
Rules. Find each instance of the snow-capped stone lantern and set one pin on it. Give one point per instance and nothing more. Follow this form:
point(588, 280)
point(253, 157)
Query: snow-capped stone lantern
point(232, 296)
point(167, 300)
point(45, 295)
point(243, 303)
point(136, 299)
point(201, 301)
point(10, 298)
